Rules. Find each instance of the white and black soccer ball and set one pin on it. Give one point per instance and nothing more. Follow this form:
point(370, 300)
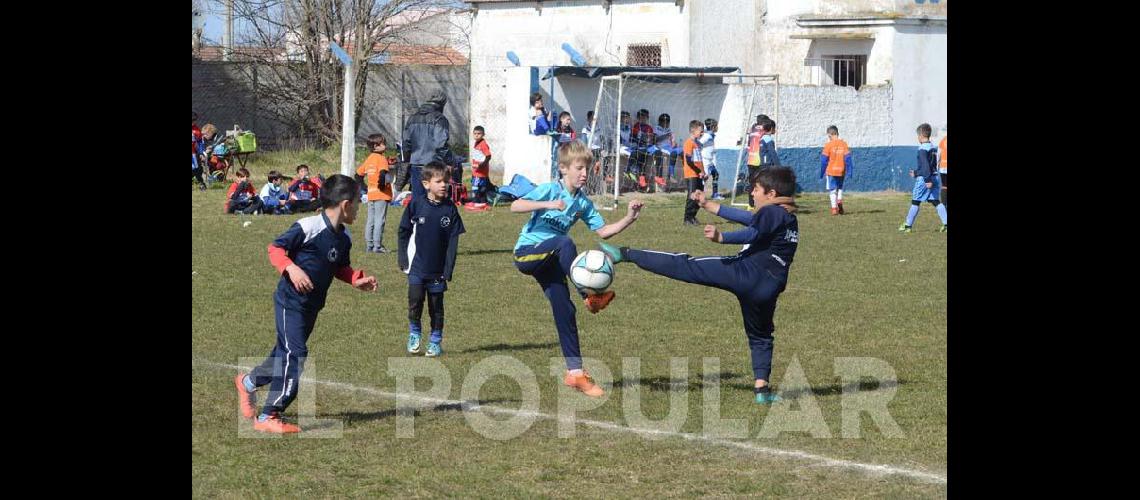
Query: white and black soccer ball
point(592, 271)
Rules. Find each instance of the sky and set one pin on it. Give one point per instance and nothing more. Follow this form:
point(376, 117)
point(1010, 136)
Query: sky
point(216, 19)
point(215, 25)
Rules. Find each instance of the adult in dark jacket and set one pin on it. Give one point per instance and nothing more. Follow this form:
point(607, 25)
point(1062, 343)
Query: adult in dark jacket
point(425, 139)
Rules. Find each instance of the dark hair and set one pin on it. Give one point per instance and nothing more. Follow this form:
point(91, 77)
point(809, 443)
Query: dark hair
point(781, 179)
point(338, 188)
point(768, 125)
point(695, 124)
point(195, 116)
point(664, 117)
point(434, 169)
point(710, 123)
point(376, 140)
point(590, 115)
point(274, 175)
point(643, 112)
point(299, 167)
point(625, 113)
point(479, 128)
point(558, 127)
point(535, 97)
point(924, 130)
point(242, 172)
point(761, 118)
point(833, 130)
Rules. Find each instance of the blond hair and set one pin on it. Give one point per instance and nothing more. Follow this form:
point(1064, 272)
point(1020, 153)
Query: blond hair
point(573, 151)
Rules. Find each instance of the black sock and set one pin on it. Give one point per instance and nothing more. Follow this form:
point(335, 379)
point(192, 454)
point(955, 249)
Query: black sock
point(762, 390)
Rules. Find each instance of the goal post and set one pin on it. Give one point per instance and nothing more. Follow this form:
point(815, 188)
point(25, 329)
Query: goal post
point(626, 157)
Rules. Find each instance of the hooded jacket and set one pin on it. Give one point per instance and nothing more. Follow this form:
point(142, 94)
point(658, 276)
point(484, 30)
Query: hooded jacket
point(426, 133)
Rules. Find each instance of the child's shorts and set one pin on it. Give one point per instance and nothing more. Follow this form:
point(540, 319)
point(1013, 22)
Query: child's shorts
point(922, 193)
point(438, 285)
point(835, 182)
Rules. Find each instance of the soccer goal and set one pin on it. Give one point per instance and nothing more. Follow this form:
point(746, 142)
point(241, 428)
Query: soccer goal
point(633, 161)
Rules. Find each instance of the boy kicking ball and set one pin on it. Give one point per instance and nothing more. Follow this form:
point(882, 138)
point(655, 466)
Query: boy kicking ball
point(756, 275)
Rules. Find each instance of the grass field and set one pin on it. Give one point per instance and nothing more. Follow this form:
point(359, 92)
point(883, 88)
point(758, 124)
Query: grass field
point(858, 288)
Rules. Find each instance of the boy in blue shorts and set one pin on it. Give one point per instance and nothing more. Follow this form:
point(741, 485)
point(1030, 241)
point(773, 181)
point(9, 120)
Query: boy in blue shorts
point(429, 238)
point(927, 185)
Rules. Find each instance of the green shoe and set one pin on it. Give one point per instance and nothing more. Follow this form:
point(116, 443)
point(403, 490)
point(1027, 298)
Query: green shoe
point(903, 228)
point(434, 349)
point(763, 398)
point(613, 252)
point(943, 229)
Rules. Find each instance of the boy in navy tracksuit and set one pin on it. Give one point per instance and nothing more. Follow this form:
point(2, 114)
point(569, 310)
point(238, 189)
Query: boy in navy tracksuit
point(429, 236)
point(308, 255)
point(757, 275)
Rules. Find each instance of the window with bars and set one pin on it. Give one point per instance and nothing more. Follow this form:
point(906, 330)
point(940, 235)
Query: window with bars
point(643, 54)
point(846, 71)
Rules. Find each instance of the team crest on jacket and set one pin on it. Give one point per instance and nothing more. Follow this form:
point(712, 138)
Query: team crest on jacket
point(332, 254)
point(444, 221)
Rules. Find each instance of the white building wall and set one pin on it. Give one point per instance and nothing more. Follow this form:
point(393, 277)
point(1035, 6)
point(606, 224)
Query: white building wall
point(537, 35)
point(519, 152)
point(755, 35)
point(863, 117)
point(919, 80)
point(722, 33)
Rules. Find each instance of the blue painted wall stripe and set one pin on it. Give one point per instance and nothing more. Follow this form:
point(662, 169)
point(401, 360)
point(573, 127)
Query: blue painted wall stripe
point(876, 168)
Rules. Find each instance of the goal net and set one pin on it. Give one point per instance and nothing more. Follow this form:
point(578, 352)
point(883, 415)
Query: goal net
point(645, 153)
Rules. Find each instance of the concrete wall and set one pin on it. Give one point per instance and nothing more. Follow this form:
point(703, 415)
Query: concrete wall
point(906, 69)
point(919, 80)
point(222, 94)
point(519, 151)
point(537, 35)
point(907, 54)
point(837, 8)
point(864, 119)
point(576, 95)
point(779, 53)
point(722, 33)
point(396, 88)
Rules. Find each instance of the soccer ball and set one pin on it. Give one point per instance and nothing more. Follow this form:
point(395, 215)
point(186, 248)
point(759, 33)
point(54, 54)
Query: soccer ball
point(592, 271)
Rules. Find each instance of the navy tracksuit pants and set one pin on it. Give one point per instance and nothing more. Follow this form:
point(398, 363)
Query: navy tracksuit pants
point(750, 278)
point(549, 263)
point(282, 369)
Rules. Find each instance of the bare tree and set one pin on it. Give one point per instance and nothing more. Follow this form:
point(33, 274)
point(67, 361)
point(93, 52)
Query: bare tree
point(199, 16)
point(295, 78)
